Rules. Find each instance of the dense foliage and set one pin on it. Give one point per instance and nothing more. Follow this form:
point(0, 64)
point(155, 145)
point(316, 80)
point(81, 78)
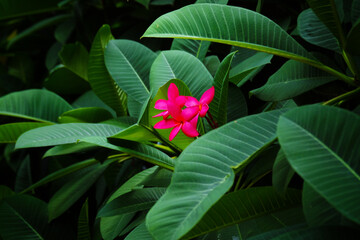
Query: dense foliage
point(256, 131)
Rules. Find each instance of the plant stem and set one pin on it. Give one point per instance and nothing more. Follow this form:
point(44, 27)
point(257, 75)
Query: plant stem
point(342, 97)
point(238, 181)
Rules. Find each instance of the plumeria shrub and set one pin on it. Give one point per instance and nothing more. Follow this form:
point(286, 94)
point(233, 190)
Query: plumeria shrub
point(180, 120)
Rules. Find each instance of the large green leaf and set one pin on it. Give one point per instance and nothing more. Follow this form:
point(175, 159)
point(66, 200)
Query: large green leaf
point(136, 200)
point(218, 106)
point(326, 10)
point(237, 106)
point(204, 172)
point(314, 31)
point(320, 145)
point(111, 227)
point(35, 104)
point(197, 48)
point(63, 134)
point(89, 99)
point(99, 78)
point(235, 26)
point(135, 133)
point(129, 63)
point(75, 57)
point(19, 8)
point(181, 65)
point(242, 206)
point(10, 132)
point(292, 79)
point(140, 232)
point(85, 115)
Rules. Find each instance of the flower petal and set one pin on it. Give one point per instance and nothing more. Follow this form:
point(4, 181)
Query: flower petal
point(181, 100)
point(174, 132)
point(204, 109)
point(175, 111)
point(173, 92)
point(189, 130)
point(191, 101)
point(161, 104)
point(189, 113)
point(194, 121)
point(208, 96)
point(163, 114)
point(166, 123)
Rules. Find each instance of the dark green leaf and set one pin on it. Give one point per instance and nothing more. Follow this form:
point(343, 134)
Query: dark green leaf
point(85, 115)
point(10, 132)
point(75, 57)
point(282, 173)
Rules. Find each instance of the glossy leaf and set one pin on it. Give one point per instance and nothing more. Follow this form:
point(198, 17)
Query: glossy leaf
point(136, 200)
point(242, 206)
point(180, 65)
point(99, 78)
point(218, 106)
point(63, 134)
point(317, 142)
point(292, 79)
point(10, 132)
point(85, 115)
point(136, 133)
point(315, 32)
point(36, 105)
point(206, 167)
point(129, 63)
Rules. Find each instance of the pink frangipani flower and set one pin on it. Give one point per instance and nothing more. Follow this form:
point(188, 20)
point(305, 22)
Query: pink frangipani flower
point(174, 97)
point(203, 104)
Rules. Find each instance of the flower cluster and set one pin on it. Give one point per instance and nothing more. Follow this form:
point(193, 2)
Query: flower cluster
point(177, 117)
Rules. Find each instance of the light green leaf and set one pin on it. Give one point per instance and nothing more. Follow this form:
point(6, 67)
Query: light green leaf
point(129, 63)
point(140, 232)
point(38, 105)
point(99, 78)
point(218, 106)
point(315, 32)
point(111, 227)
point(206, 167)
point(292, 79)
point(319, 143)
point(134, 201)
point(85, 115)
point(75, 57)
point(63, 134)
point(180, 65)
point(242, 206)
point(10, 132)
point(135, 133)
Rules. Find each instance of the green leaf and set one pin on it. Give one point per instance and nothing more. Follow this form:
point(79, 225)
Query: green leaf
point(111, 227)
point(180, 65)
point(23, 217)
point(135, 133)
point(63, 134)
point(212, 63)
point(353, 38)
point(136, 200)
point(37, 105)
point(140, 232)
point(236, 26)
point(218, 106)
point(355, 11)
point(242, 206)
point(318, 142)
point(23, 175)
point(206, 167)
point(71, 191)
point(138, 150)
point(129, 63)
point(85, 115)
point(292, 79)
point(63, 81)
point(83, 223)
point(326, 10)
point(20, 8)
point(282, 173)
point(237, 106)
point(89, 99)
point(10, 132)
point(61, 173)
point(99, 78)
point(38, 26)
point(5, 192)
point(197, 48)
point(75, 58)
point(64, 31)
point(315, 32)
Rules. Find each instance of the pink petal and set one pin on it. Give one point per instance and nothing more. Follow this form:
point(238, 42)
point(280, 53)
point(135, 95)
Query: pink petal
point(181, 100)
point(161, 104)
point(163, 114)
point(166, 123)
point(189, 130)
point(173, 92)
point(191, 101)
point(174, 132)
point(189, 113)
point(208, 96)
point(204, 109)
point(175, 111)
point(194, 121)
